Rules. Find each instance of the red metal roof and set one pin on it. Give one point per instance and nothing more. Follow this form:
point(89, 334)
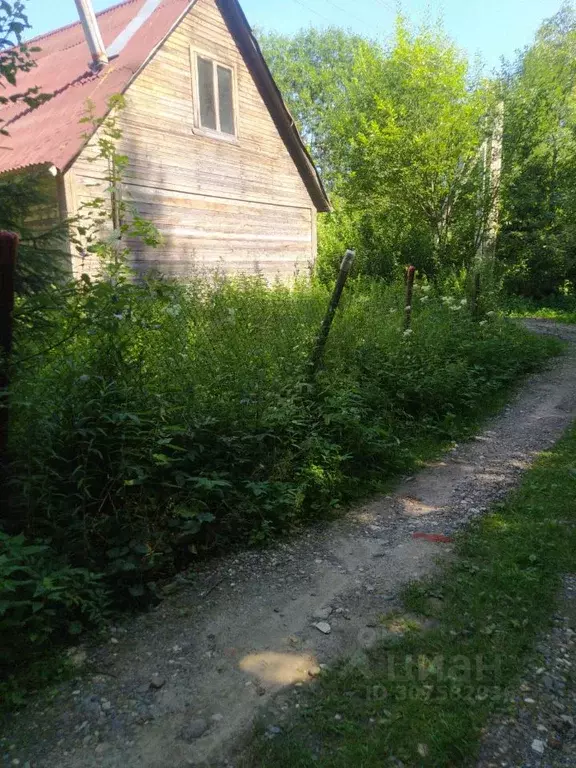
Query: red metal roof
point(51, 133)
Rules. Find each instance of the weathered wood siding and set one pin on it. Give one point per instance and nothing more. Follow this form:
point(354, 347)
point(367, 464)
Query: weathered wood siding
point(234, 206)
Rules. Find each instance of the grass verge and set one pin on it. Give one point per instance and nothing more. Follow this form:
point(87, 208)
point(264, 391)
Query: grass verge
point(562, 309)
point(422, 697)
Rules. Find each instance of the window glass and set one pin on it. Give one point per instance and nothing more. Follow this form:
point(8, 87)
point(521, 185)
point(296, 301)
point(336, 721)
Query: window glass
point(225, 100)
point(206, 93)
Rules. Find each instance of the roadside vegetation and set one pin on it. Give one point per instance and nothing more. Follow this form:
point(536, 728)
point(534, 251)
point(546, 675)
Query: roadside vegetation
point(422, 696)
point(167, 422)
point(559, 307)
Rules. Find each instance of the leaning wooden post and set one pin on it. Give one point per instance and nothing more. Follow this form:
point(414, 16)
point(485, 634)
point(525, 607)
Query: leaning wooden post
point(318, 353)
point(409, 292)
point(8, 253)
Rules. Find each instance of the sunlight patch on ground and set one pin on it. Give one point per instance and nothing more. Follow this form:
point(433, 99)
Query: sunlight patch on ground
point(366, 515)
point(417, 508)
point(279, 668)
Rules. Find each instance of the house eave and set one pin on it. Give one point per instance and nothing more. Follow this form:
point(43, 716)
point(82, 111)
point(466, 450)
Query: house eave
point(252, 53)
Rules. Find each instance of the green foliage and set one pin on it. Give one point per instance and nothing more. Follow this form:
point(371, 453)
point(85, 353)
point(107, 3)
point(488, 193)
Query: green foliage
point(558, 307)
point(167, 420)
point(42, 599)
point(538, 187)
point(16, 56)
point(380, 249)
point(397, 131)
point(415, 140)
point(314, 70)
point(105, 224)
point(401, 133)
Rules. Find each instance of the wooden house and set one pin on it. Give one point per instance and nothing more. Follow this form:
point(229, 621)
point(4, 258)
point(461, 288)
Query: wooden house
point(215, 159)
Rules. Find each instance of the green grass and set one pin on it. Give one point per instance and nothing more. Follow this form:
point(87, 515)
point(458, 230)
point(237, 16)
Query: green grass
point(560, 308)
point(423, 696)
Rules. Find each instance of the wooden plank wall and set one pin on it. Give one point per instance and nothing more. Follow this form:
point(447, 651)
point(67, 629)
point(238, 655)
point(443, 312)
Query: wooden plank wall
point(234, 206)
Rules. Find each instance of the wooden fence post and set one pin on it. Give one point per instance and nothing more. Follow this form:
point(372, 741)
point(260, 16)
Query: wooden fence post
point(318, 353)
point(409, 292)
point(8, 254)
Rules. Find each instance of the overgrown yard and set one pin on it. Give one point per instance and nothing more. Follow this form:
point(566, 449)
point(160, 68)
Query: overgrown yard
point(423, 697)
point(156, 422)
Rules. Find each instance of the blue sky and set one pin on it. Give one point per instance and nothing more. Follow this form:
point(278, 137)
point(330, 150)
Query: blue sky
point(490, 27)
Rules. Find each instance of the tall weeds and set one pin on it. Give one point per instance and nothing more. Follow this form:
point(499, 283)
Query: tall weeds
point(169, 419)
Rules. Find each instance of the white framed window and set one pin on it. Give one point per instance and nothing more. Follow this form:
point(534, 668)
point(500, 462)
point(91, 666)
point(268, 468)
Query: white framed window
point(214, 91)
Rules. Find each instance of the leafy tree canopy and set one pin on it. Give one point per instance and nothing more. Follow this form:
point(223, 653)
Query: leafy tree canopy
point(397, 131)
point(538, 238)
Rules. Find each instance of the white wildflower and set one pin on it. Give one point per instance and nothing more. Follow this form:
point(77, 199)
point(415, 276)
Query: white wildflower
point(490, 314)
point(482, 322)
point(407, 332)
point(408, 308)
point(463, 302)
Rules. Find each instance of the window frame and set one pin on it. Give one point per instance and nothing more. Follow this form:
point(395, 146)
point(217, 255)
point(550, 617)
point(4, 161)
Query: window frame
point(198, 128)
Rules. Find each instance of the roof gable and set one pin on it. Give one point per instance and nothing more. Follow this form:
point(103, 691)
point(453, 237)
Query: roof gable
point(52, 133)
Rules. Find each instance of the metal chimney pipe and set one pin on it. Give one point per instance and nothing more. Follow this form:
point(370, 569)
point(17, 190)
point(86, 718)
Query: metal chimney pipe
point(92, 34)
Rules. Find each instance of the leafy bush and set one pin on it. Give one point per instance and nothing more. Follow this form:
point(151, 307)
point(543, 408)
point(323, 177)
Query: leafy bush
point(42, 599)
point(166, 420)
point(560, 307)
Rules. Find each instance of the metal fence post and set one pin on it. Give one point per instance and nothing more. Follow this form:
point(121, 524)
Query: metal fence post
point(318, 353)
point(8, 254)
point(409, 292)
